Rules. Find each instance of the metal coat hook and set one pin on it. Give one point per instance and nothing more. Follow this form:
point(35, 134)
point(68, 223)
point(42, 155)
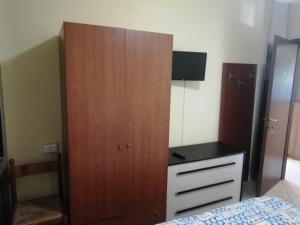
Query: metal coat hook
point(251, 76)
point(231, 76)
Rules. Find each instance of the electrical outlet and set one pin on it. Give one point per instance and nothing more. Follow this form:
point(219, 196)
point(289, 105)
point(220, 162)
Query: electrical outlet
point(50, 148)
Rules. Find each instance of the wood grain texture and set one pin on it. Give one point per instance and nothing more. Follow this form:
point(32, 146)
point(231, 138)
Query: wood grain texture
point(279, 99)
point(148, 60)
point(237, 103)
point(294, 138)
point(118, 100)
point(34, 168)
point(95, 107)
point(148, 216)
point(26, 170)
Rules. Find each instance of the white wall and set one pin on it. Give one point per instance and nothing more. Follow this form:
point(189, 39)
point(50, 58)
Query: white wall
point(294, 20)
point(228, 30)
point(279, 20)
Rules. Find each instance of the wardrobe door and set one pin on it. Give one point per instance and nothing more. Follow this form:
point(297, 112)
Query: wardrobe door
point(95, 106)
point(148, 59)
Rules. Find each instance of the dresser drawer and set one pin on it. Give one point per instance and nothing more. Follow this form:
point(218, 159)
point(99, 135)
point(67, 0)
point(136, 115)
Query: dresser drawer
point(200, 186)
point(202, 170)
point(198, 202)
point(207, 206)
point(198, 183)
point(230, 183)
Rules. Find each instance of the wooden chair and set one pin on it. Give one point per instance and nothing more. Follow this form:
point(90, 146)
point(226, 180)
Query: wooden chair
point(42, 211)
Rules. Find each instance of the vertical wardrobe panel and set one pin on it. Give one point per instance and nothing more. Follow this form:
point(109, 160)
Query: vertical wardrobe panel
point(247, 80)
point(148, 58)
point(237, 103)
point(246, 74)
point(94, 82)
point(229, 104)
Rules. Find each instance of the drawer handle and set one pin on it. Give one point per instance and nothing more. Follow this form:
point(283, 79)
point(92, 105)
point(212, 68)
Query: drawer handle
point(203, 187)
point(206, 168)
point(202, 205)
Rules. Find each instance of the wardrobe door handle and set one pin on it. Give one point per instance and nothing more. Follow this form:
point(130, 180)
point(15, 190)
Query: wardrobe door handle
point(129, 146)
point(120, 147)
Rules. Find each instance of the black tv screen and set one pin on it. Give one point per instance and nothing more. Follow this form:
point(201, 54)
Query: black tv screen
point(189, 65)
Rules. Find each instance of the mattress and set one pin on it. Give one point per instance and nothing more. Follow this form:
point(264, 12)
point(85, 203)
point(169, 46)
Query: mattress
point(256, 211)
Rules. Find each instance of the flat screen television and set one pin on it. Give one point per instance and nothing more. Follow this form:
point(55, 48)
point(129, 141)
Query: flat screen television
point(189, 66)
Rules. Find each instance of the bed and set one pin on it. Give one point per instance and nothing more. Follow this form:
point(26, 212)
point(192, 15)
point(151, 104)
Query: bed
point(256, 211)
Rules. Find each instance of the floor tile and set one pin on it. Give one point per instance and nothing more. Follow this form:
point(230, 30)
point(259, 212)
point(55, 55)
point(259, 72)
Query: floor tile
point(279, 191)
point(289, 189)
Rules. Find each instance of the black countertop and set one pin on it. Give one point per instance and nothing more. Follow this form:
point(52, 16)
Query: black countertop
point(193, 153)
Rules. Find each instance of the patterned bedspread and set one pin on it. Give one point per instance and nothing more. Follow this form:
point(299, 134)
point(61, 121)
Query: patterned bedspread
point(256, 211)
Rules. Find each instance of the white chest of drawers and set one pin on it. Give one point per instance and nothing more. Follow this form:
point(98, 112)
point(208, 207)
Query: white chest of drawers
point(196, 187)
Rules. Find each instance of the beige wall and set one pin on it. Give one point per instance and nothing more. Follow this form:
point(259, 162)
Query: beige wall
point(2, 22)
point(32, 111)
point(229, 30)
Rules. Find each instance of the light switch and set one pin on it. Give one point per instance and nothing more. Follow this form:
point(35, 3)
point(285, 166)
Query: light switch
point(50, 148)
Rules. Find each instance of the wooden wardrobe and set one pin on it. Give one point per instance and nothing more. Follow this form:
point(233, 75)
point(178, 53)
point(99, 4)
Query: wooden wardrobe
point(117, 124)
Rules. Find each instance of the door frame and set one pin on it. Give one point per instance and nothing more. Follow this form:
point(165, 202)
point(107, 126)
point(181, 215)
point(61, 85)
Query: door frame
point(277, 40)
point(296, 81)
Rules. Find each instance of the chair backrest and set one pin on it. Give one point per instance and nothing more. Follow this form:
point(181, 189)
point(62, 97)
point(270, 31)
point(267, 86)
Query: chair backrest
point(31, 169)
